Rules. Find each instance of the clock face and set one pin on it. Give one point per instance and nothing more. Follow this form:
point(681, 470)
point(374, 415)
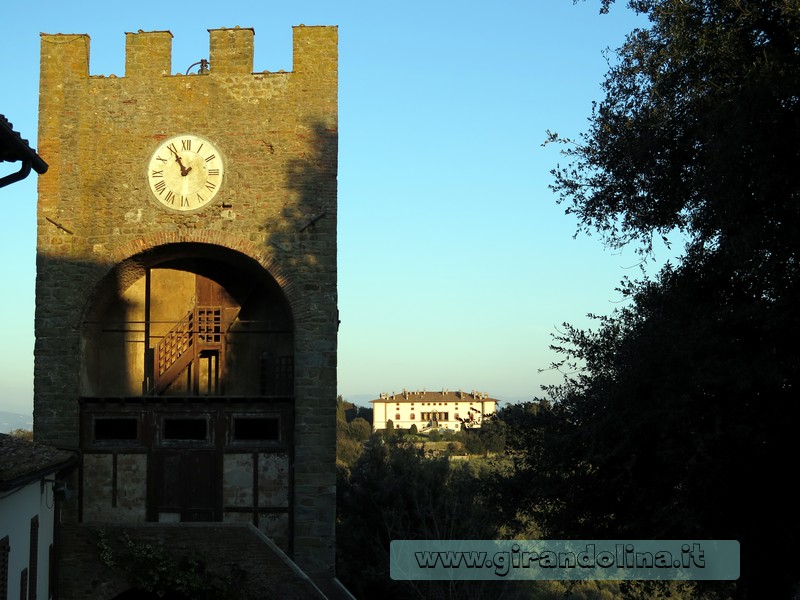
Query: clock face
point(185, 172)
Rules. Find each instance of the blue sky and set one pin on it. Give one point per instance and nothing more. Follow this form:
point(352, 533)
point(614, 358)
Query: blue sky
point(455, 262)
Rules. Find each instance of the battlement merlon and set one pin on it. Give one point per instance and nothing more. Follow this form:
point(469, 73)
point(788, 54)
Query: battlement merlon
point(315, 49)
point(64, 55)
point(231, 50)
point(149, 53)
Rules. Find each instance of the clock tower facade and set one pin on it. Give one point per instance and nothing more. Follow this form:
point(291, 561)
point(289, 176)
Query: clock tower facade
point(186, 299)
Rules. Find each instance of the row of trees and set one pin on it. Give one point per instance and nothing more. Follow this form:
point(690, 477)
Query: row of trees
point(395, 489)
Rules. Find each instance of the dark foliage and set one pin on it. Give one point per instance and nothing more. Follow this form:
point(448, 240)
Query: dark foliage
point(685, 405)
point(154, 572)
point(698, 131)
point(395, 492)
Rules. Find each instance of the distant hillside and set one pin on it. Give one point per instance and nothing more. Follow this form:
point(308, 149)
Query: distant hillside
point(10, 421)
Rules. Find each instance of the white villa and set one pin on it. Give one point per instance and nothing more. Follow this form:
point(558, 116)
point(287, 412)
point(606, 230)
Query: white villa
point(432, 410)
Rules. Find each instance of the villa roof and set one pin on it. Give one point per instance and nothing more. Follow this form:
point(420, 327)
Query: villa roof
point(439, 396)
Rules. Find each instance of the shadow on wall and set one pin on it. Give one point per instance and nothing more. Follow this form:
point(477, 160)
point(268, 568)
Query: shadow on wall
point(304, 233)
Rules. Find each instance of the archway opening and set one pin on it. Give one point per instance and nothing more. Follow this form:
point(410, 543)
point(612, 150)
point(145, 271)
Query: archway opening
point(188, 320)
point(205, 434)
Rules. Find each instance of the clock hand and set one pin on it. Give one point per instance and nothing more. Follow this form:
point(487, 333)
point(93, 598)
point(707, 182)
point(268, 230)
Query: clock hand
point(184, 170)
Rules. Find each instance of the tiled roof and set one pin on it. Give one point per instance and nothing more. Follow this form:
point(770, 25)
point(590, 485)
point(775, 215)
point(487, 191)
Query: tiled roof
point(440, 396)
point(22, 462)
point(13, 148)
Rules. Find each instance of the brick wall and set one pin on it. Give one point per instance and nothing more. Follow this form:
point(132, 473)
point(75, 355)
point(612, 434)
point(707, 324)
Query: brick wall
point(99, 226)
point(241, 555)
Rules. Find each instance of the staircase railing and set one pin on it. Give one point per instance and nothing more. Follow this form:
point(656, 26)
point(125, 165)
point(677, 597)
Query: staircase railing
point(201, 329)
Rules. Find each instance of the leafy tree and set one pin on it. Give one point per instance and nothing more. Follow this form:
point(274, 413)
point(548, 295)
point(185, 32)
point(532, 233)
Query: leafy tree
point(395, 493)
point(365, 413)
point(686, 397)
point(349, 436)
point(23, 434)
point(473, 442)
point(520, 423)
point(493, 434)
point(359, 429)
point(155, 572)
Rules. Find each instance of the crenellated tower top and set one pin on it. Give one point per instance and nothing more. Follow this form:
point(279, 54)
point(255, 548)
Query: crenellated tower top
point(149, 53)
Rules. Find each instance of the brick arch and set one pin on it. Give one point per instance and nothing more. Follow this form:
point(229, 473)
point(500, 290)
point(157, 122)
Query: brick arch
point(132, 258)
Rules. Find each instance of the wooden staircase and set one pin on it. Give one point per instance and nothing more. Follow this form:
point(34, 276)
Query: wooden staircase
point(200, 332)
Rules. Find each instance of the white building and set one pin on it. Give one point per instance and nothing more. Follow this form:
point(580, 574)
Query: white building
point(432, 410)
point(28, 508)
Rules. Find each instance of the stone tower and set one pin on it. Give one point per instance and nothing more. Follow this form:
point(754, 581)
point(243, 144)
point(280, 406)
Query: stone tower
point(186, 302)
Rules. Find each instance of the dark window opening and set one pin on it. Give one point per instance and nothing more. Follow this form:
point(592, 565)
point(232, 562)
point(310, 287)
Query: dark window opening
point(52, 575)
point(4, 550)
point(23, 585)
point(115, 429)
point(256, 429)
point(185, 429)
point(33, 559)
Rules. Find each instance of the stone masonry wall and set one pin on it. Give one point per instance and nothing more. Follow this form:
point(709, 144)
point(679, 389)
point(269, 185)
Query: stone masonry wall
point(99, 226)
point(241, 555)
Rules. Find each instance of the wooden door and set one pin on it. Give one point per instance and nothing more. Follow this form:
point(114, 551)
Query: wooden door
point(187, 486)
